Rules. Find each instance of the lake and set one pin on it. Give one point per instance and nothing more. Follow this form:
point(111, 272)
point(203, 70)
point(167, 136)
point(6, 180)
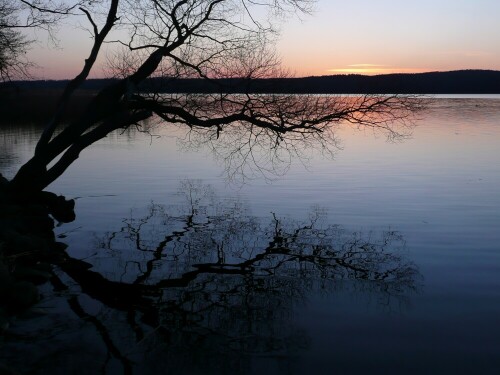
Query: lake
point(385, 259)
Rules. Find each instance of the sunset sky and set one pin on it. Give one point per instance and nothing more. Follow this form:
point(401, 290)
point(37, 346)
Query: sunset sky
point(356, 36)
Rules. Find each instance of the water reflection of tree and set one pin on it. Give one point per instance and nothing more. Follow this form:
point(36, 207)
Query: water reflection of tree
point(205, 286)
point(206, 282)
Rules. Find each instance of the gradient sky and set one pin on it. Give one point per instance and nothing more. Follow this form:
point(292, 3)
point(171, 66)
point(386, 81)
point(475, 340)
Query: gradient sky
point(355, 36)
point(369, 36)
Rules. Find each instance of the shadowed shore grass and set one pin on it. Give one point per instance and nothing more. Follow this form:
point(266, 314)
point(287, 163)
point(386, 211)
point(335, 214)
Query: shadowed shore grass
point(36, 106)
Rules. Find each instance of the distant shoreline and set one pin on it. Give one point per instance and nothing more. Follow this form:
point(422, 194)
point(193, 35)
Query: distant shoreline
point(35, 101)
point(452, 82)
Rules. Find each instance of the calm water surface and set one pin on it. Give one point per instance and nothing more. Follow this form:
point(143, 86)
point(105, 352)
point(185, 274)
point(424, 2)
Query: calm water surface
point(385, 260)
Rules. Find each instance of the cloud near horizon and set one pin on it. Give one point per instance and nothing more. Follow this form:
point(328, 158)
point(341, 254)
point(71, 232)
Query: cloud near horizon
point(373, 69)
point(366, 65)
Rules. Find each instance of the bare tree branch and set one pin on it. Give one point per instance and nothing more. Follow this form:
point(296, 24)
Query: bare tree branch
point(211, 40)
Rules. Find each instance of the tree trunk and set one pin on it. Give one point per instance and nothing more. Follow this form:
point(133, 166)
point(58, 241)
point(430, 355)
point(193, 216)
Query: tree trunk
point(30, 179)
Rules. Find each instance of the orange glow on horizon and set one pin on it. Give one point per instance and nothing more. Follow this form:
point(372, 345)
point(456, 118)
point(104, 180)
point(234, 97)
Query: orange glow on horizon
point(372, 69)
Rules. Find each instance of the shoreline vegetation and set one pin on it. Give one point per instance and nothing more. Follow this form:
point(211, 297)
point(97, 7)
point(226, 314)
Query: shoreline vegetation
point(35, 106)
point(451, 82)
point(35, 101)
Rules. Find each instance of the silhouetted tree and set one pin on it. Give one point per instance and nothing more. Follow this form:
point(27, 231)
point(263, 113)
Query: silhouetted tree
point(12, 44)
point(19, 15)
point(197, 38)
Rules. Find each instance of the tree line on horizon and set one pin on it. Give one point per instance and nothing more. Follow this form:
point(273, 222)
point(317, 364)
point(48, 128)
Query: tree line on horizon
point(452, 82)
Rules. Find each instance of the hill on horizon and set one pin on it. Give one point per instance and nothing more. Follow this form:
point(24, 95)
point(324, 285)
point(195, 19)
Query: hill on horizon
point(451, 82)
